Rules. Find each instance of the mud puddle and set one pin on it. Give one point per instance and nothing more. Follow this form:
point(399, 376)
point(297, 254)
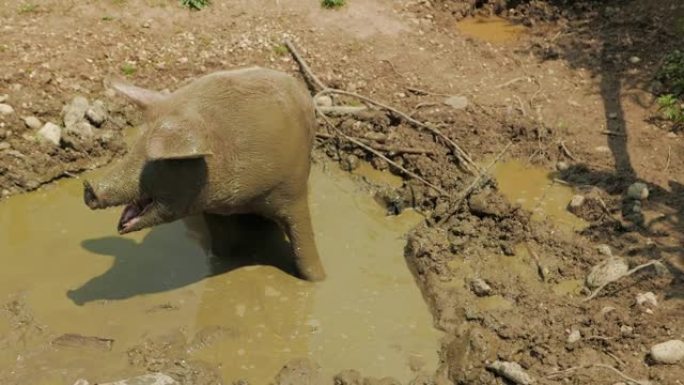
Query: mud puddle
point(66, 271)
point(535, 190)
point(492, 29)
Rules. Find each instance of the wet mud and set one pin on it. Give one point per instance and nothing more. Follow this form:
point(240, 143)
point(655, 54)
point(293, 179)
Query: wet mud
point(158, 297)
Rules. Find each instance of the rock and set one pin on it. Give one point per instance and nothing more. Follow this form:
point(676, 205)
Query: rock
point(5, 146)
point(574, 336)
point(348, 377)
point(324, 101)
point(32, 122)
point(607, 271)
point(612, 115)
point(480, 287)
point(626, 331)
point(637, 191)
point(562, 166)
point(241, 382)
point(661, 269)
point(669, 352)
point(457, 102)
point(647, 299)
point(146, 379)
point(96, 114)
point(81, 381)
point(71, 340)
point(602, 149)
point(350, 163)
point(6, 109)
point(376, 136)
point(51, 133)
point(74, 112)
point(604, 250)
point(3, 98)
point(511, 371)
point(576, 202)
point(634, 59)
point(83, 129)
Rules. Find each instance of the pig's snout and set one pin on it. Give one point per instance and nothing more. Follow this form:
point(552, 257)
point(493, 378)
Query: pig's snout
point(89, 196)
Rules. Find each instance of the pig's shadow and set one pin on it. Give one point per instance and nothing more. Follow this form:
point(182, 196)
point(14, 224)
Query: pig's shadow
point(169, 258)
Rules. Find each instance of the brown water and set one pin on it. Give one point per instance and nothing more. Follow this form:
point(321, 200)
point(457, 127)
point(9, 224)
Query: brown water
point(491, 29)
point(535, 190)
point(65, 270)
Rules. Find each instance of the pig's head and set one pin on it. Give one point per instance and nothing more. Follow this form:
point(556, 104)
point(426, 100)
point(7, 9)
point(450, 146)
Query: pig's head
point(163, 175)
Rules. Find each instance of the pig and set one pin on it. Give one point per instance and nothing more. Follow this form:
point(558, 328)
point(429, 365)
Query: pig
point(231, 142)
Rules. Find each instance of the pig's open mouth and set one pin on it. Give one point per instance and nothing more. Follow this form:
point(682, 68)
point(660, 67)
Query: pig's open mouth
point(133, 212)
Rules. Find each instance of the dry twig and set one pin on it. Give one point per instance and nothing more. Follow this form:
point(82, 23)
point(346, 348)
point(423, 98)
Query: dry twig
point(669, 157)
point(475, 183)
point(603, 366)
point(630, 272)
point(540, 268)
point(381, 147)
point(461, 155)
point(566, 151)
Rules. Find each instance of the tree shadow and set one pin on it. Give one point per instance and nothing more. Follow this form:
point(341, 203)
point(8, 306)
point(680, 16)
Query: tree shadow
point(179, 254)
point(623, 43)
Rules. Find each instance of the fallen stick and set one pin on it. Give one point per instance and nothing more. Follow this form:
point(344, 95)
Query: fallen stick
point(476, 182)
point(378, 154)
point(540, 268)
point(342, 110)
point(612, 133)
point(461, 155)
point(512, 81)
point(669, 157)
point(382, 147)
point(566, 151)
point(630, 272)
point(603, 366)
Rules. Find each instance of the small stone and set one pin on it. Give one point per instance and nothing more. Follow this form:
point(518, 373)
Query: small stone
point(96, 114)
point(457, 102)
point(669, 352)
point(637, 191)
point(661, 269)
point(33, 122)
point(647, 299)
point(350, 163)
point(574, 336)
point(626, 331)
point(81, 381)
point(6, 109)
point(3, 98)
point(147, 24)
point(604, 250)
point(5, 146)
point(602, 149)
point(511, 371)
point(376, 136)
point(607, 271)
point(74, 112)
point(348, 377)
point(324, 101)
point(634, 59)
point(51, 133)
point(576, 202)
point(480, 287)
point(612, 115)
point(146, 379)
point(562, 166)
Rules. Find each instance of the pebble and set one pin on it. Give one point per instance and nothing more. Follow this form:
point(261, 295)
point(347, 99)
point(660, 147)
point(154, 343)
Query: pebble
point(647, 299)
point(612, 115)
point(637, 191)
point(350, 163)
point(6, 109)
point(74, 112)
point(576, 202)
point(81, 381)
point(146, 379)
point(33, 122)
point(602, 149)
point(604, 250)
point(480, 287)
point(324, 101)
point(562, 166)
point(669, 352)
point(3, 98)
point(634, 59)
point(97, 113)
point(511, 371)
point(574, 336)
point(51, 133)
point(607, 271)
point(626, 331)
point(5, 146)
point(457, 102)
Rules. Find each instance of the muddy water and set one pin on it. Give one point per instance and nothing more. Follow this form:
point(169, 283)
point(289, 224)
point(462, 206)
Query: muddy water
point(535, 190)
point(65, 270)
point(491, 29)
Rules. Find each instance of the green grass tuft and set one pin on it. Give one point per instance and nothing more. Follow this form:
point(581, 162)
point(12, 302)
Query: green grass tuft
point(195, 5)
point(128, 69)
point(333, 3)
point(28, 8)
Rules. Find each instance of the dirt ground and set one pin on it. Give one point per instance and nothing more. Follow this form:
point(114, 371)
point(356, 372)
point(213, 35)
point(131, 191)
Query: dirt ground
point(573, 91)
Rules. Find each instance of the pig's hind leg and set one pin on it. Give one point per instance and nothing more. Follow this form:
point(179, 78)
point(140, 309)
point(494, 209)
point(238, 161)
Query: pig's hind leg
point(296, 222)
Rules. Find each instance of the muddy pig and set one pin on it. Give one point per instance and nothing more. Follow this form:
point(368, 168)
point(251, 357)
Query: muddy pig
point(231, 142)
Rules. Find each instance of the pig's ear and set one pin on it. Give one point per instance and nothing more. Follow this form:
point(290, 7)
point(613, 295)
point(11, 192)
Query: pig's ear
point(177, 141)
point(140, 96)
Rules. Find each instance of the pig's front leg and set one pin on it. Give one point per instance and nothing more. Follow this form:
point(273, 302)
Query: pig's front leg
point(296, 222)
